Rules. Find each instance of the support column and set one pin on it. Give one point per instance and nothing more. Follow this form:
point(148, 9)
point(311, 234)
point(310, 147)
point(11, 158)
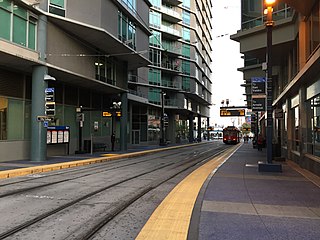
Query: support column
point(199, 129)
point(38, 151)
point(191, 137)
point(208, 132)
point(124, 122)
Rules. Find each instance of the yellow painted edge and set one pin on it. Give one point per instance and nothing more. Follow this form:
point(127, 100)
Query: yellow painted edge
point(57, 166)
point(172, 217)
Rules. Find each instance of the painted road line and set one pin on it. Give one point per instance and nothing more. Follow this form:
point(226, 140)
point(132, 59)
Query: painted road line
point(171, 219)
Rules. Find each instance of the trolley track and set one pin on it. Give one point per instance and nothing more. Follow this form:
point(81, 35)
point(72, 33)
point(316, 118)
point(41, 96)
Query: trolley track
point(96, 169)
point(102, 221)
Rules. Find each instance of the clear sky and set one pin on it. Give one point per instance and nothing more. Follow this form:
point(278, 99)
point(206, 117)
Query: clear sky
point(226, 60)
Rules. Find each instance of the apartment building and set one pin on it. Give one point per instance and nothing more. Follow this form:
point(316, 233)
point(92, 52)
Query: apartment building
point(77, 55)
point(295, 74)
point(177, 83)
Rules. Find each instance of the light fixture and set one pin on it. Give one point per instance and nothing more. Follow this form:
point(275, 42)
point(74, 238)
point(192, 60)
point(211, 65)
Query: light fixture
point(47, 77)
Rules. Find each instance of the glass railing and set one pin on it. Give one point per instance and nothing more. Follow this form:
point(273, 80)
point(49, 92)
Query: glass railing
point(170, 11)
point(277, 15)
point(170, 30)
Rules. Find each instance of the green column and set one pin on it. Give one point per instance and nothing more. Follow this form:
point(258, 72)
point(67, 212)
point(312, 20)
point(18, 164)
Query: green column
point(191, 136)
point(124, 122)
point(38, 131)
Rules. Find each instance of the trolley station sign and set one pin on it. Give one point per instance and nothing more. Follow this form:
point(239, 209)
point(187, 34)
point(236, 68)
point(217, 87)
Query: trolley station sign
point(225, 112)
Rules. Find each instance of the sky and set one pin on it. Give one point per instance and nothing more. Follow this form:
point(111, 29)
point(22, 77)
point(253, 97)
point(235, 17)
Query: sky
point(226, 59)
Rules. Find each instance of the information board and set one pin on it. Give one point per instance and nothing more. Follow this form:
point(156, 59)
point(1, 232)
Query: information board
point(58, 134)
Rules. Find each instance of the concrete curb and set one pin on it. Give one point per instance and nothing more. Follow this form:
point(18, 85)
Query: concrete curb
point(58, 166)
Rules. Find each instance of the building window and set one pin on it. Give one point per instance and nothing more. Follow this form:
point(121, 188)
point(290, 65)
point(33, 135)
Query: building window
point(156, 3)
point(155, 19)
point(186, 84)
point(186, 17)
point(155, 39)
point(57, 7)
point(3, 118)
point(154, 77)
point(155, 57)
point(186, 4)
point(186, 34)
point(296, 141)
point(105, 70)
point(131, 4)
point(186, 50)
point(185, 67)
point(154, 96)
point(126, 30)
point(5, 19)
point(17, 24)
point(313, 30)
point(315, 121)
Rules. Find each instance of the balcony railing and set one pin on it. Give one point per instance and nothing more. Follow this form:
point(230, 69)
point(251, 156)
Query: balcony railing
point(170, 30)
point(170, 11)
point(277, 15)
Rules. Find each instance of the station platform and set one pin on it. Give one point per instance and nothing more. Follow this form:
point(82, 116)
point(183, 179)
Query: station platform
point(226, 198)
point(229, 199)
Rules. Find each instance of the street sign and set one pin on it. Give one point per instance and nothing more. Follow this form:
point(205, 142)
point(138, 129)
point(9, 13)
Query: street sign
point(50, 105)
point(258, 104)
point(258, 85)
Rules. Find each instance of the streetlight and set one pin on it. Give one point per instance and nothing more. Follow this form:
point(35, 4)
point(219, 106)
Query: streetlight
point(269, 24)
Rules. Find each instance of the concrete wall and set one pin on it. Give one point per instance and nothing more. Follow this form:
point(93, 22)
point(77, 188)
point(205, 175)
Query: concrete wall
point(14, 150)
point(84, 11)
point(59, 42)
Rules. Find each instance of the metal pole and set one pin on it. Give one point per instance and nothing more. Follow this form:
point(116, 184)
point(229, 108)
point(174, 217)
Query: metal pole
point(162, 139)
point(269, 128)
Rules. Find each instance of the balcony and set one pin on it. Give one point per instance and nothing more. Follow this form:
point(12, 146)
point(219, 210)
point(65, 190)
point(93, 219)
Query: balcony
point(170, 32)
point(173, 2)
point(170, 15)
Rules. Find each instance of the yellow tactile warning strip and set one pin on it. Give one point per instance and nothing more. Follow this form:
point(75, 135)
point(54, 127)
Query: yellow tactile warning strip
point(172, 217)
point(76, 163)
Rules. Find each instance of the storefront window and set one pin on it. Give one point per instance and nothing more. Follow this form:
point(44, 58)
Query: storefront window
point(315, 107)
point(296, 141)
point(153, 125)
point(3, 118)
point(285, 127)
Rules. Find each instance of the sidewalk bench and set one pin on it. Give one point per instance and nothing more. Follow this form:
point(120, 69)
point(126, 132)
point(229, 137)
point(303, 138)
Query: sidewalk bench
point(97, 146)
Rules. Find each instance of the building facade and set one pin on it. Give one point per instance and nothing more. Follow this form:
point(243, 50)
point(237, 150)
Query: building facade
point(177, 83)
point(83, 51)
point(295, 75)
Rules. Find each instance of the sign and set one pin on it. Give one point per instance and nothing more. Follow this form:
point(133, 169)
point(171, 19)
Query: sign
point(80, 117)
point(278, 113)
point(258, 104)
point(224, 112)
point(258, 85)
point(58, 134)
point(44, 119)
point(106, 114)
point(50, 105)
